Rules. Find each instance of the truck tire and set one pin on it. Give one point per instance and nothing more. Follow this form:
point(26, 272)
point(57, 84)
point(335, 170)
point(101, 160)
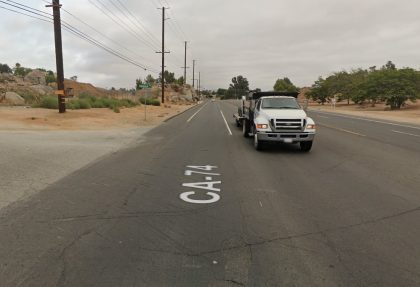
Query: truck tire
point(245, 128)
point(238, 124)
point(258, 145)
point(306, 146)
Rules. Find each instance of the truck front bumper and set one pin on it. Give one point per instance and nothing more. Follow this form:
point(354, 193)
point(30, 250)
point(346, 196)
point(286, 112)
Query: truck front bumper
point(285, 137)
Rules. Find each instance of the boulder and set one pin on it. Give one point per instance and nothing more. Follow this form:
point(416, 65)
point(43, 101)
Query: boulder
point(13, 98)
point(36, 77)
point(43, 90)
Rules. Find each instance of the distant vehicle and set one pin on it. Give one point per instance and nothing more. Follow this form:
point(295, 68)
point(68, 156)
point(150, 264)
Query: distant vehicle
point(275, 117)
point(213, 100)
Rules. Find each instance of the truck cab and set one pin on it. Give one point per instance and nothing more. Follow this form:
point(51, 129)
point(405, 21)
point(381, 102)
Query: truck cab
point(275, 117)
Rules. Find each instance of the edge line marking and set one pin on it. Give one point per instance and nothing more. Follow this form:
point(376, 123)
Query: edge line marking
point(189, 120)
point(364, 119)
point(227, 126)
point(398, 132)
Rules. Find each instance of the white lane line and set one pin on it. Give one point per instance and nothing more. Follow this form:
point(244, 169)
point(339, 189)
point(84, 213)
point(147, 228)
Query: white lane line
point(323, 117)
point(342, 130)
point(398, 132)
point(367, 120)
point(189, 120)
point(227, 126)
point(261, 204)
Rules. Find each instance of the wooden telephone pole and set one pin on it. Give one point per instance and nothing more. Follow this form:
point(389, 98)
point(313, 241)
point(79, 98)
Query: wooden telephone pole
point(59, 55)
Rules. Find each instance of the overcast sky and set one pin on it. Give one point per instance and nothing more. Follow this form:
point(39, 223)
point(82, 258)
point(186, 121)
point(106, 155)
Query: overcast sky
point(262, 40)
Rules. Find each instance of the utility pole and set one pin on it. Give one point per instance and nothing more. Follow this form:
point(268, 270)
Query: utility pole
point(58, 55)
point(185, 64)
point(163, 53)
point(199, 83)
point(193, 73)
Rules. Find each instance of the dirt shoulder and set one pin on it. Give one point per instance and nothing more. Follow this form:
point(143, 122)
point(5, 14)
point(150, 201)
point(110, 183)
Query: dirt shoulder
point(409, 114)
point(20, 118)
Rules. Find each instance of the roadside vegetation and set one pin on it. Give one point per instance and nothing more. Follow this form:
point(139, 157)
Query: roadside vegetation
point(388, 85)
point(86, 101)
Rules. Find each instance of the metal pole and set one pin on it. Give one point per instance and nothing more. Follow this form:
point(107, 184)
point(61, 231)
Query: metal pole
point(59, 55)
point(193, 73)
point(163, 55)
point(199, 83)
point(185, 64)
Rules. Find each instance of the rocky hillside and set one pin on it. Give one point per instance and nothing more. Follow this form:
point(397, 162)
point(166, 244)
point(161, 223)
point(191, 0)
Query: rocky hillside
point(28, 90)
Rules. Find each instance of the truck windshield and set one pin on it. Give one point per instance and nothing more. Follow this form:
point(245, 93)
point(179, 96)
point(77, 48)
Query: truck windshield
point(280, 103)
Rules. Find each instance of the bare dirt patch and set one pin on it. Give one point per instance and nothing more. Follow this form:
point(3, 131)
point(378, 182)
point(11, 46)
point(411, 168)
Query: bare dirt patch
point(20, 118)
point(408, 114)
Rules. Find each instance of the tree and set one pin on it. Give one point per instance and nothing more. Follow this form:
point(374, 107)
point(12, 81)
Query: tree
point(18, 70)
point(50, 77)
point(238, 88)
point(150, 80)
point(180, 81)
point(4, 68)
point(394, 86)
point(319, 91)
point(389, 66)
point(169, 77)
point(73, 78)
point(285, 85)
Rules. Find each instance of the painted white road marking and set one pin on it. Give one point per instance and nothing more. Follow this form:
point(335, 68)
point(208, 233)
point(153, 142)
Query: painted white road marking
point(209, 185)
point(227, 126)
point(323, 117)
point(190, 172)
point(186, 197)
point(261, 204)
point(398, 132)
point(342, 130)
point(189, 120)
point(368, 120)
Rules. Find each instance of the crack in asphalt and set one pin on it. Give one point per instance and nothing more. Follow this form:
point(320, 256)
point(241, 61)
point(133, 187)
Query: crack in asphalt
point(63, 255)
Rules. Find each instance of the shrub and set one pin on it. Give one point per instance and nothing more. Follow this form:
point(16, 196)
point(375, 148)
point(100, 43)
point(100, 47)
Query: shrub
point(84, 104)
point(153, 102)
point(49, 102)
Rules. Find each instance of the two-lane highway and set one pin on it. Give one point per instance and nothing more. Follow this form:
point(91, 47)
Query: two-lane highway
point(193, 204)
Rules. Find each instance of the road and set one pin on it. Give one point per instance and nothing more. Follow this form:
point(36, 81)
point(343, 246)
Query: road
point(194, 204)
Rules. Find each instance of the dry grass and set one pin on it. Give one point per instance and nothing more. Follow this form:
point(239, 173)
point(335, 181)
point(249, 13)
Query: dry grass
point(18, 118)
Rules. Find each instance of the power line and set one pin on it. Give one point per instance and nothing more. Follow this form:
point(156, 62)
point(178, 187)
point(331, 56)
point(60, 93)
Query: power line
point(102, 34)
point(137, 22)
point(77, 33)
point(2, 7)
point(125, 27)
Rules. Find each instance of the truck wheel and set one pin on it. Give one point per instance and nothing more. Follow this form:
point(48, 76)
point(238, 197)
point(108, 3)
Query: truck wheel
point(257, 143)
point(306, 146)
point(245, 127)
point(238, 124)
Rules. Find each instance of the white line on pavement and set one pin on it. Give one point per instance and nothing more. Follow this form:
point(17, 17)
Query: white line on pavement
point(342, 130)
point(323, 117)
point(227, 126)
point(398, 132)
point(189, 120)
point(367, 120)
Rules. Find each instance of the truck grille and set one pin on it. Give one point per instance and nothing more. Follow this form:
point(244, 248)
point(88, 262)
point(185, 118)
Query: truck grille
point(286, 125)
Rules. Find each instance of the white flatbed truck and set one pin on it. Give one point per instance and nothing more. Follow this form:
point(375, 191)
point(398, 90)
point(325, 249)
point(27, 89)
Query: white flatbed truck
point(275, 117)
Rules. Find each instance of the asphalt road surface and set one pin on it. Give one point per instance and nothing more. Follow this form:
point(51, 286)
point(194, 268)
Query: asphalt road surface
point(195, 205)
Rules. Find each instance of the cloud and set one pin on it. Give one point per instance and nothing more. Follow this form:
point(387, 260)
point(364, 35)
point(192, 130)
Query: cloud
point(262, 40)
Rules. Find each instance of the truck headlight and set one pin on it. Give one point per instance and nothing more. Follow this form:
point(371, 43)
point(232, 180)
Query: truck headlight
point(310, 126)
point(263, 126)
